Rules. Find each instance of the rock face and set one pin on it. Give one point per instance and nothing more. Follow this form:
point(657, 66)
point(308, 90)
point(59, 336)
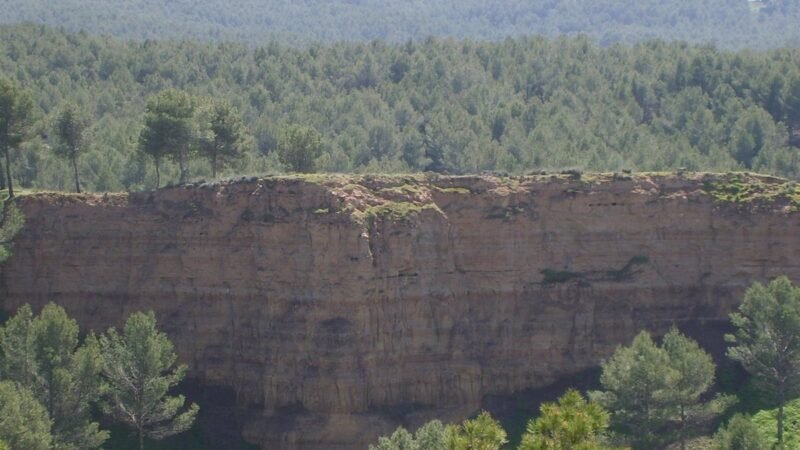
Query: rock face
point(336, 308)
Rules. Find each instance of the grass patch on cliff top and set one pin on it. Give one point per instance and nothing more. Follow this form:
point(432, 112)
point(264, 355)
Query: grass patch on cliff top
point(23, 192)
point(395, 211)
point(747, 189)
point(403, 189)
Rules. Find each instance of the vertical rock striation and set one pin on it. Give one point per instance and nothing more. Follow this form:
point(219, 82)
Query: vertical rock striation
point(336, 307)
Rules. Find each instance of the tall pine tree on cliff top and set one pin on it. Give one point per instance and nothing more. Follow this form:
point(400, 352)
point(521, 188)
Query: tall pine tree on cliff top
point(16, 109)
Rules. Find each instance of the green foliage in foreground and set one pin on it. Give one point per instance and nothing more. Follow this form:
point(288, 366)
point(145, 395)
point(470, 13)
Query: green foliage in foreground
point(571, 424)
point(648, 387)
point(58, 380)
point(24, 423)
point(42, 354)
point(652, 392)
point(740, 433)
point(480, 433)
point(139, 368)
point(767, 422)
point(767, 340)
point(431, 436)
point(447, 106)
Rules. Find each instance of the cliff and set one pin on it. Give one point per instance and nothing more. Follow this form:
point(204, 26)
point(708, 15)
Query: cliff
point(336, 308)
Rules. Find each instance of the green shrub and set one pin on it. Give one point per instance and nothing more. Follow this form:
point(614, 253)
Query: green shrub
point(767, 421)
point(740, 434)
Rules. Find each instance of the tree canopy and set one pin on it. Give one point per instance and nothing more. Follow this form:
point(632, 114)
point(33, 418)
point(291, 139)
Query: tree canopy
point(70, 137)
point(647, 387)
point(24, 423)
point(570, 424)
point(480, 433)
point(168, 129)
point(740, 433)
point(459, 107)
point(52, 382)
point(42, 354)
point(767, 340)
point(140, 368)
point(16, 109)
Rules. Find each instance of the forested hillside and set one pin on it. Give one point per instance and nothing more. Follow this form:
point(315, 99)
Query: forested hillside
point(449, 106)
point(726, 23)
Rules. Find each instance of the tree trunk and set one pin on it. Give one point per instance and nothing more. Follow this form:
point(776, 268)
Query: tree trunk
point(141, 439)
point(683, 427)
point(2, 177)
point(75, 170)
point(214, 165)
point(182, 168)
point(158, 176)
point(781, 402)
point(50, 401)
point(8, 175)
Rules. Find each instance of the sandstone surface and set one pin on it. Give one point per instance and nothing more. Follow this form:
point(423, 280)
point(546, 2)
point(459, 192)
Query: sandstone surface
point(336, 308)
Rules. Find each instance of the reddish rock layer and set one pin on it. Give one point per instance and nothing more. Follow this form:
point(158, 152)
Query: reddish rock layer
point(336, 306)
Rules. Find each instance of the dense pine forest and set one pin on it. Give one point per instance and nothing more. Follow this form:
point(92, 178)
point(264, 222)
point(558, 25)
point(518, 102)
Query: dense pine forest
point(109, 96)
point(726, 23)
point(519, 105)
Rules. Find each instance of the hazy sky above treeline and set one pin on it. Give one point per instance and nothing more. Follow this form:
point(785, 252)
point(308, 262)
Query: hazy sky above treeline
point(723, 23)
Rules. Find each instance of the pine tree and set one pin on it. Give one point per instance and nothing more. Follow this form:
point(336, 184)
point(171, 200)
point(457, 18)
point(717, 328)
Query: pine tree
point(767, 339)
point(570, 424)
point(480, 433)
point(139, 366)
point(635, 388)
point(16, 111)
point(740, 433)
point(70, 131)
point(223, 135)
point(298, 147)
point(42, 354)
point(23, 421)
point(168, 129)
point(691, 375)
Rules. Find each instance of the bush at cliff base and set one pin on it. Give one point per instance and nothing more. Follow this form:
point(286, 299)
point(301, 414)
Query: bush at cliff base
point(767, 423)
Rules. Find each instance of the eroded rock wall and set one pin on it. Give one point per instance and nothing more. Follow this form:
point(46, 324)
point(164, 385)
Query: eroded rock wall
point(337, 307)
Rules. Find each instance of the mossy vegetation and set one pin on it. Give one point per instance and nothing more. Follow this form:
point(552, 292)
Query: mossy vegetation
point(746, 189)
point(395, 211)
point(767, 420)
point(404, 189)
point(11, 222)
